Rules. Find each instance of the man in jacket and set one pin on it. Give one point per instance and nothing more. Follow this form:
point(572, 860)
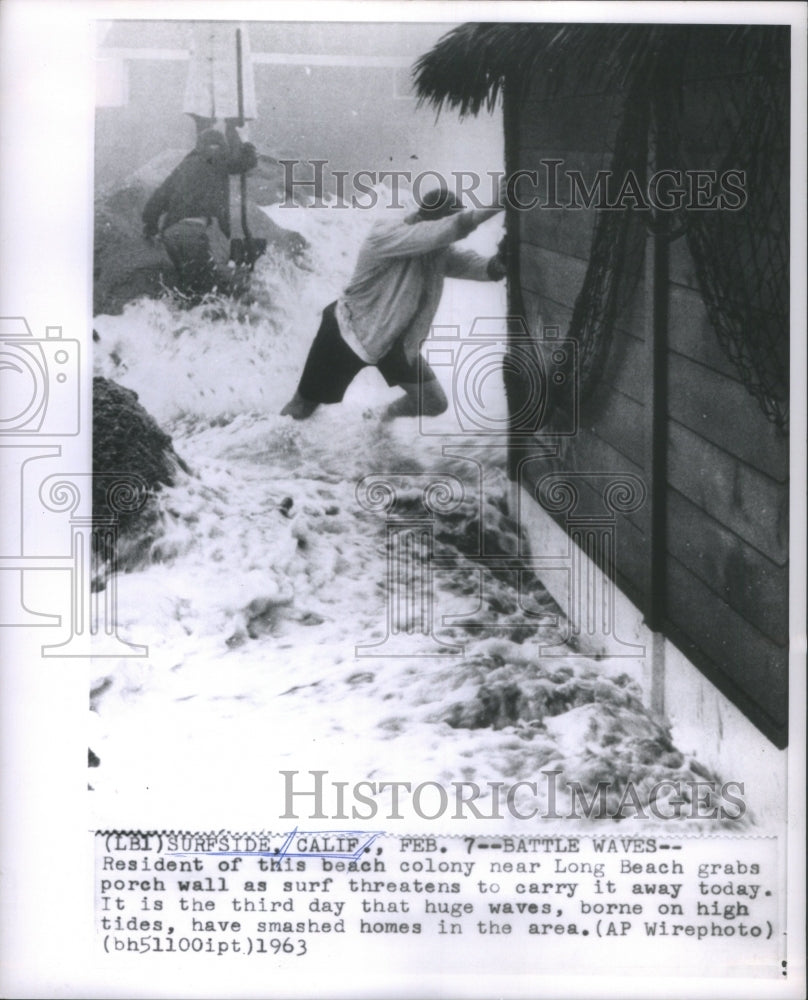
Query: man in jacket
point(387, 309)
point(191, 211)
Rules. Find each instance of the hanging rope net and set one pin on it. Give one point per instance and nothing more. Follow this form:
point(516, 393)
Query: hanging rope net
point(742, 256)
point(616, 253)
point(737, 120)
point(725, 89)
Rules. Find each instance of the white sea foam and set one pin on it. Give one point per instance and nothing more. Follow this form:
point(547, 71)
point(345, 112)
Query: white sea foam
point(252, 617)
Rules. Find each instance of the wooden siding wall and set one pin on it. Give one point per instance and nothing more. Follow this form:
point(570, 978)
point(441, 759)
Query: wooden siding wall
point(726, 484)
point(553, 258)
point(727, 480)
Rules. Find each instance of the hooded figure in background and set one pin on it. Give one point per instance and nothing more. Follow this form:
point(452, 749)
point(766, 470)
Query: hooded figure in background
point(190, 211)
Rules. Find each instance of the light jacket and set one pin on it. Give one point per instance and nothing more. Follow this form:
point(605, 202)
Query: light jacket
point(397, 283)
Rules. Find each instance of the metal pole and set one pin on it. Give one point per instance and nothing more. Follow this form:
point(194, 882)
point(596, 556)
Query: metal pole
point(657, 401)
point(248, 241)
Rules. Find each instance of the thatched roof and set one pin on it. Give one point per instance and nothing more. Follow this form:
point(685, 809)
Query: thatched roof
point(467, 68)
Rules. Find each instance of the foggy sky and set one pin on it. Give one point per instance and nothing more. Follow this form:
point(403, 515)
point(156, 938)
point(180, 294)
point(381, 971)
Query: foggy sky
point(356, 117)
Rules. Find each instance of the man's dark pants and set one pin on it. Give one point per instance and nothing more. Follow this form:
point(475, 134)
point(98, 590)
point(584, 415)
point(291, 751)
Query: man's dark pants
point(331, 365)
point(188, 246)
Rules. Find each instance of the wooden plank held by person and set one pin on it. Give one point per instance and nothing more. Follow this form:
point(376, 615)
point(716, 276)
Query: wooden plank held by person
point(220, 93)
point(250, 251)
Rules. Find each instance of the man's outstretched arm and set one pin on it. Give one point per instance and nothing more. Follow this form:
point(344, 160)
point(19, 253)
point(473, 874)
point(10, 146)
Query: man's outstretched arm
point(156, 206)
point(417, 236)
point(470, 265)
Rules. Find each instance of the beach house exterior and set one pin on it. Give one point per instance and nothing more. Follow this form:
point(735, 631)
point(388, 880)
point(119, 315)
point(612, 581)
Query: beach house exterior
point(648, 238)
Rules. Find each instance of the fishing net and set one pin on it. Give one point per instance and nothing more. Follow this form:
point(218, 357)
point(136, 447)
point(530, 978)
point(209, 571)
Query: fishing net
point(717, 96)
point(616, 253)
point(742, 256)
point(737, 120)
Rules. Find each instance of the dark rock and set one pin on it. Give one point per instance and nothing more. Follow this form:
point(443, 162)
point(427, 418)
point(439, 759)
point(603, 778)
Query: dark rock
point(125, 266)
point(128, 442)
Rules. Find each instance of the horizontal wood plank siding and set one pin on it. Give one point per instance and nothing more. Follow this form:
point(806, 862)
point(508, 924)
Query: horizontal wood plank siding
point(738, 649)
point(745, 579)
point(749, 504)
point(726, 492)
point(721, 411)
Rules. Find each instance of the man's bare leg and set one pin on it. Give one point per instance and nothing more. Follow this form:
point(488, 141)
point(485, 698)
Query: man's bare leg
point(428, 399)
point(299, 408)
